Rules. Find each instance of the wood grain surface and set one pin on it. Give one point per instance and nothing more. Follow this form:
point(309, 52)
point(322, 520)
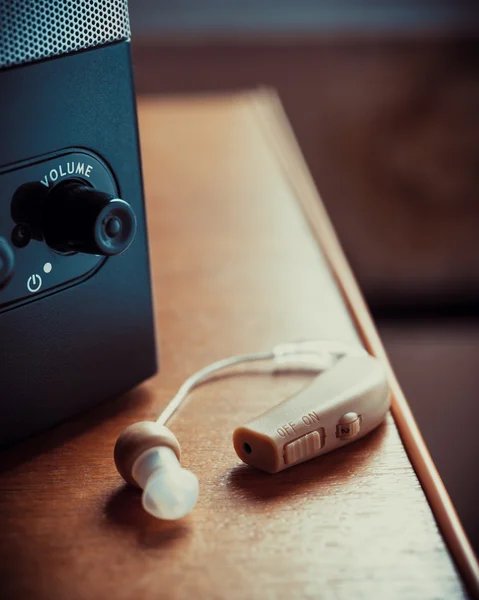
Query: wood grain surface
point(235, 269)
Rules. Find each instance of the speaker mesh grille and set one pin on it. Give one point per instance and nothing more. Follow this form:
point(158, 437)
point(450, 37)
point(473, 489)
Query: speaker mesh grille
point(31, 30)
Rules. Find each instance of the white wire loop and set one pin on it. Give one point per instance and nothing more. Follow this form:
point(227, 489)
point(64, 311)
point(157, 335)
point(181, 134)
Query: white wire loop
point(312, 356)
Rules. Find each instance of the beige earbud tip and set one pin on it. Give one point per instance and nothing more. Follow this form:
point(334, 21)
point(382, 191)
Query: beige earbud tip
point(138, 438)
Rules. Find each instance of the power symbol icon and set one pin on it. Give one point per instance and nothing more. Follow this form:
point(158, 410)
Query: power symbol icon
point(34, 283)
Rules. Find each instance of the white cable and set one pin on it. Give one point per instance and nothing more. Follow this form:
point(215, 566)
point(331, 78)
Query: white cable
point(310, 355)
point(204, 374)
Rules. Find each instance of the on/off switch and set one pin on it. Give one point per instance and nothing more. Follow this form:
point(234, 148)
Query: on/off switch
point(348, 426)
point(304, 447)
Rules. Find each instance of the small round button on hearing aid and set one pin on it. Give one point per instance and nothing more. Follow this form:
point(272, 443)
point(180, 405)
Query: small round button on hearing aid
point(147, 455)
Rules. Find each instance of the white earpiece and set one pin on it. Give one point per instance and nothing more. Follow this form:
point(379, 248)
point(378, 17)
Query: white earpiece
point(169, 491)
point(147, 455)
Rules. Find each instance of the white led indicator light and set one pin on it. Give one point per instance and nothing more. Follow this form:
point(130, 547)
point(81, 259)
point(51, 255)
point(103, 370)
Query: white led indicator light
point(47, 267)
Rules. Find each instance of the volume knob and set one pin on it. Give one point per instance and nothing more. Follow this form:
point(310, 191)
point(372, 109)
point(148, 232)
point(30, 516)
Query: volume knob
point(79, 218)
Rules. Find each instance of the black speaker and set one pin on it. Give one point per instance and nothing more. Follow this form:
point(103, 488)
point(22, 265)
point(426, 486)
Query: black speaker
point(76, 323)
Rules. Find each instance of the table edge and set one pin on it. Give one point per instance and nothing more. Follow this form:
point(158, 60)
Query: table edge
point(288, 153)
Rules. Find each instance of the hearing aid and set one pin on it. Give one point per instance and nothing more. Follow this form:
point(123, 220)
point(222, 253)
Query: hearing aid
point(344, 403)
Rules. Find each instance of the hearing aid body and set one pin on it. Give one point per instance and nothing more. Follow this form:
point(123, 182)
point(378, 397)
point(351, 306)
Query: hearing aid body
point(338, 407)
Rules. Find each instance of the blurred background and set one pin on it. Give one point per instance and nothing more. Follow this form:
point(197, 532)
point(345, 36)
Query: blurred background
point(384, 100)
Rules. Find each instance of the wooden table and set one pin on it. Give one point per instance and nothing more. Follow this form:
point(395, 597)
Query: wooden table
point(236, 268)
